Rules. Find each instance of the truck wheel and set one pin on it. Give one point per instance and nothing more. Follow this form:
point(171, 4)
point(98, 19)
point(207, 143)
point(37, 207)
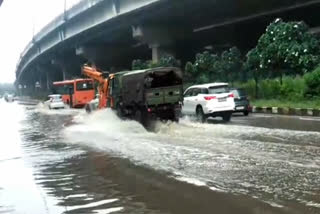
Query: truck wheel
point(201, 117)
point(119, 111)
point(246, 113)
point(176, 118)
point(226, 116)
point(138, 116)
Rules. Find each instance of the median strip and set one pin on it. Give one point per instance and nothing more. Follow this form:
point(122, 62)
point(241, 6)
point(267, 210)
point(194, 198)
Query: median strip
point(287, 111)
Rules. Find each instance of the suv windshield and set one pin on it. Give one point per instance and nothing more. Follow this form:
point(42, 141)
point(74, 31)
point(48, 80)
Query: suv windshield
point(219, 89)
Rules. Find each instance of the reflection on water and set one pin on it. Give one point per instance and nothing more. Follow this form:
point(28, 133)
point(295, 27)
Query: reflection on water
point(69, 162)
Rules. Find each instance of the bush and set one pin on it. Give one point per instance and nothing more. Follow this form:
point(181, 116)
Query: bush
point(312, 81)
point(292, 88)
point(269, 89)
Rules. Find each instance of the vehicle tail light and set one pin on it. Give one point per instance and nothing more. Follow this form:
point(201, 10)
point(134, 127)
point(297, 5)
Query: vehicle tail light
point(210, 97)
point(230, 95)
point(149, 110)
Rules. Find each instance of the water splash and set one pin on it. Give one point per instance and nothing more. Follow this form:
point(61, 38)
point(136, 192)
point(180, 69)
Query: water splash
point(260, 162)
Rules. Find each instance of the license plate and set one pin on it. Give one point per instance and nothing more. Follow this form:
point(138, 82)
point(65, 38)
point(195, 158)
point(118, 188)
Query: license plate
point(222, 99)
point(240, 108)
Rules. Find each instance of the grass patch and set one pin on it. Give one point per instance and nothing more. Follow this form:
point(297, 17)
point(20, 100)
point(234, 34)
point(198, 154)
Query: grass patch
point(286, 103)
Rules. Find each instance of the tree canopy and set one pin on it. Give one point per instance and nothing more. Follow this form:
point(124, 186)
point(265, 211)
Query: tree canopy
point(287, 47)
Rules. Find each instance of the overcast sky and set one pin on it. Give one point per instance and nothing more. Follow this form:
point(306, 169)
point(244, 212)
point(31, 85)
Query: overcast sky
point(18, 18)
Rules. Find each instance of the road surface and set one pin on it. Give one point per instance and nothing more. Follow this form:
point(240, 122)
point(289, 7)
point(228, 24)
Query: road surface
point(69, 162)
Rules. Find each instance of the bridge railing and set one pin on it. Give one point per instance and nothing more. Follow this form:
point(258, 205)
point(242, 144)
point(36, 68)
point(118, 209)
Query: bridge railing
point(30, 52)
point(46, 39)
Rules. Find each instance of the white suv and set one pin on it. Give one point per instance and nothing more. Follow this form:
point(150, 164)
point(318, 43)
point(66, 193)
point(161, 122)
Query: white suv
point(209, 100)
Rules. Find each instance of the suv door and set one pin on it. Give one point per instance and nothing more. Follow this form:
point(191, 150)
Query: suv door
point(187, 97)
point(194, 100)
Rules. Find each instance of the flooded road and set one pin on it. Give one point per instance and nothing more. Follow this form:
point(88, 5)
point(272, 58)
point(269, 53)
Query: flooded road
point(69, 162)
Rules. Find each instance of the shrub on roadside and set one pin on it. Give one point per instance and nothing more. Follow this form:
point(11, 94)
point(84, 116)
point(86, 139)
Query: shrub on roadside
point(269, 89)
point(312, 81)
point(292, 88)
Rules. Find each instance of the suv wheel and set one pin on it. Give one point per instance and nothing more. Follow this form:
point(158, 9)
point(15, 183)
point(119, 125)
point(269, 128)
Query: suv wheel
point(201, 117)
point(246, 113)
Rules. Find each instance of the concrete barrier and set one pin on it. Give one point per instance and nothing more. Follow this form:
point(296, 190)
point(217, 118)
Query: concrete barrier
point(275, 110)
point(287, 111)
point(310, 112)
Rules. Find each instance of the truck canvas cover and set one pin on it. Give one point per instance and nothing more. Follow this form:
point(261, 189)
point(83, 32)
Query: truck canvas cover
point(137, 83)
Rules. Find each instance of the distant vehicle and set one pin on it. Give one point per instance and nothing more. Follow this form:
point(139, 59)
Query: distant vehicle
point(241, 101)
point(208, 100)
point(75, 93)
point(9, 98)
point(55, 102)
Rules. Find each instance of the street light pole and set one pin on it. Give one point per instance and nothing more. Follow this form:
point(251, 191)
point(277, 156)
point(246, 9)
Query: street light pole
point(65, 10)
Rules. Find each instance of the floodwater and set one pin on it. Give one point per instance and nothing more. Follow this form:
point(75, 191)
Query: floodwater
point(70, 162)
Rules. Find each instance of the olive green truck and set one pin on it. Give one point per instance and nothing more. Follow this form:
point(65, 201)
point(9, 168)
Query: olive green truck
point(146, 95)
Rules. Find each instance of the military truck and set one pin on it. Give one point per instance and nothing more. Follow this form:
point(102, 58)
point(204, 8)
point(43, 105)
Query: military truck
point(143, 95)
point(149, 94)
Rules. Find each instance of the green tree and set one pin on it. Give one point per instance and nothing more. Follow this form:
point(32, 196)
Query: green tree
point(288, 46)
point(165, 61)
point(139, 64)
point(204, 69)
point(230, 64)
point(254, 67)
point(168, 61)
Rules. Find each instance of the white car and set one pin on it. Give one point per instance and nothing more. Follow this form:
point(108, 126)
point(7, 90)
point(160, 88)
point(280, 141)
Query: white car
point(55, 102)
point(9, 98)
point(209, 100)
point(92, 105)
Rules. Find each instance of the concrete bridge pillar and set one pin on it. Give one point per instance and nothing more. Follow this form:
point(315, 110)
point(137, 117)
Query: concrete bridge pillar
point(62, 66)
point(44, 77)
point(48, 81)
point(159, 39)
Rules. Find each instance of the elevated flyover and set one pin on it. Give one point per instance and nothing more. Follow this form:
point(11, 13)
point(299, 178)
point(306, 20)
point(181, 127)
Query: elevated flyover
point(111, 33)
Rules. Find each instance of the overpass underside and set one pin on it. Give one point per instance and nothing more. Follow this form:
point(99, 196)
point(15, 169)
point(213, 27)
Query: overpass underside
point(181, 28)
